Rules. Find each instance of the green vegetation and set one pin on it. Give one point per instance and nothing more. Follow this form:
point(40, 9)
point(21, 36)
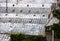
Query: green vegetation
point(22, 37)
point(59, 4)
point(56, 13)
point(56, 27)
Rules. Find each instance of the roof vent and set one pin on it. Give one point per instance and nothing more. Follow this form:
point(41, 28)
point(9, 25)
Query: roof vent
point(42, 5)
